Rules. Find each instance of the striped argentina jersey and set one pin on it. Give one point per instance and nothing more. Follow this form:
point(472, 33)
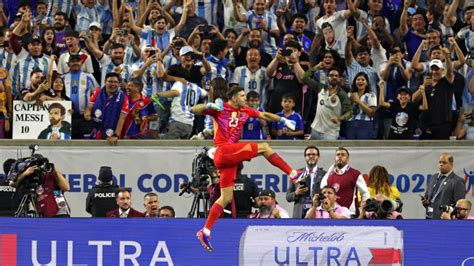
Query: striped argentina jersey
point(253, 21)
point(7, 61)
point(85, 16)
point(218, 68)
point(251, 81)
point(151, 82)
point(370, 99)
point(79, 88)
point(467, 35)
point(22, 70)
point(63, 6)
point(189, 96)
point(207, 9)
point(108, 66)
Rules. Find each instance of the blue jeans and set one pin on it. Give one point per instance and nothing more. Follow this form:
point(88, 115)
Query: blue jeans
point(321, 136)
point(360, 129)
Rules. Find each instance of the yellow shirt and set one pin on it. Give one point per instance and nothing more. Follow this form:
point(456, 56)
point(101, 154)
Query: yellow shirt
point(394, 193)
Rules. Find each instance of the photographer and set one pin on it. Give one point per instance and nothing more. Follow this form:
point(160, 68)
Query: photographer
point(326, 207)
point(287, 75)
point(37, 174)
point(460, 212)
point(380, 207)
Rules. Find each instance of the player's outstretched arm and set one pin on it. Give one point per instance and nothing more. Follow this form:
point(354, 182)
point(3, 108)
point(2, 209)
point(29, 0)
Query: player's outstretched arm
point(273, 117)
point(199, 109)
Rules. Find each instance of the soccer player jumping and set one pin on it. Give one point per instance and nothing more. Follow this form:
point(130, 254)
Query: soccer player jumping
point(229, 119)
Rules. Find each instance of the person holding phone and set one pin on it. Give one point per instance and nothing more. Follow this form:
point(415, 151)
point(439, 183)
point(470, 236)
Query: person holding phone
point(287, 74)
point(303, 192)
point(437, 121)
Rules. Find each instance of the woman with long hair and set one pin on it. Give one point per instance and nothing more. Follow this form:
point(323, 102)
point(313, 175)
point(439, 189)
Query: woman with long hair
point(379, 183)
point(364, 105)
point(48, 42)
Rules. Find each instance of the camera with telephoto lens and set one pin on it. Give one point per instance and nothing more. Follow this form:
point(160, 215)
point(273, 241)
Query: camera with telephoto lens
point(31, 181)
point(384, 208)
point(448, 208)
point(203, 170)
point(371, 205)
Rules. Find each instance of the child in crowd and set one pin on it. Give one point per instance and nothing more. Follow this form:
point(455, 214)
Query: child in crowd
point(255, 128)
point(278, 129)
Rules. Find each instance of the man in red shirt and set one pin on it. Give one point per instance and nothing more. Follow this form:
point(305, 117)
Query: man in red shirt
point(229, 119)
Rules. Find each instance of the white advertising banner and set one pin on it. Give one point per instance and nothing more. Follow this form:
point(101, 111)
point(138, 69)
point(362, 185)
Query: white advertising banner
point(50, 121)
point(162, 169)
point(321, 245)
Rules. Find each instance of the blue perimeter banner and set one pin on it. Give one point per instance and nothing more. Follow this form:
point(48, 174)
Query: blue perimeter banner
point(82, 241)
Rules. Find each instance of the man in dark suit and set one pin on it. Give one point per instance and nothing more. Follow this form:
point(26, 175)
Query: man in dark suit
point(302, 192)
point(444, 188)
point(125, 210)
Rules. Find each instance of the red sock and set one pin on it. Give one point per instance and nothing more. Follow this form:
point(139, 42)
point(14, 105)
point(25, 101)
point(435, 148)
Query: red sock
point(214, 214)
point(277, 161)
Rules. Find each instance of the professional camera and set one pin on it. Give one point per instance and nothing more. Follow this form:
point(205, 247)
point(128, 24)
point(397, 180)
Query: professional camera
point(25, 197)
point(321, 197)
point(43, 166)
point(383, 209)
point(448, 208)
point(388, 206)
point(203, 170)
point(371, 205)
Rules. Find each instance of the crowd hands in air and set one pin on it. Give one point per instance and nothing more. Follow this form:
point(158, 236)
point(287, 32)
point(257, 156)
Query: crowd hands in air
point(338, 69)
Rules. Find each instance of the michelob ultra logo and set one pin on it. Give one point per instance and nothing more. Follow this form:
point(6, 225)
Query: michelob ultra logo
point(321, 245)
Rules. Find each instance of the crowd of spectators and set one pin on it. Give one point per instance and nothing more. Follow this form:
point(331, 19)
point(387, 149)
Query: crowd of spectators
point(355, 69)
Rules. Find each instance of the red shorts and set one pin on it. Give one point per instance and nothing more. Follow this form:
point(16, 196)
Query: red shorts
point(228, 157)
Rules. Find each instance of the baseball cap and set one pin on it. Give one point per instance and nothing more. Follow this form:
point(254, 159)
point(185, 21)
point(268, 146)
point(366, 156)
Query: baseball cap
point(186, 50)
point(33, 38)
point(267, 192)
point(437, 63)
point(75, 57)
point(95, 24)
point(105, 174)
point(403, 88)
point(19, 14)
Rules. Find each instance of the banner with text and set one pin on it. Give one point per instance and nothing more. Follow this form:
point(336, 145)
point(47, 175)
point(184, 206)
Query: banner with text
point(50, 121)
point(162, 169)
point(253, 242)
point(322, 245)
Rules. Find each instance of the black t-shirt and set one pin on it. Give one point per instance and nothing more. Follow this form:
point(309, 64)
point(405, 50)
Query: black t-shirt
point(192, 75)
point(403, 120)
point(240, 60)
point(440, 100)
point(285, 81)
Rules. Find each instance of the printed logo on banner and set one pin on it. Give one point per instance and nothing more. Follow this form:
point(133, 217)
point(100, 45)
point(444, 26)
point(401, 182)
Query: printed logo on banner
point(8, 249)
point(469, 180)
point(321, 245)
point(50, 121)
